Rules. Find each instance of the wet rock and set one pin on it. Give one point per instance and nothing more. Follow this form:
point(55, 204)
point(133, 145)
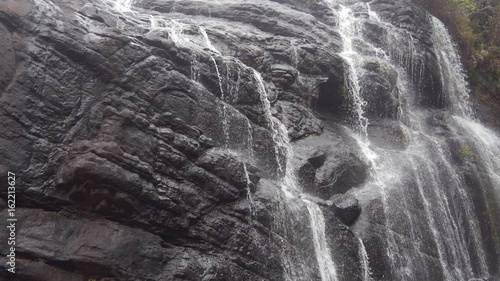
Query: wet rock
point(381, 94)
point(388, 134)
point(346, 208)
point(8, 60)
point(132, 147)
point(345, 241)
point(283, 75)
point(330, 167)
point(299, 121)
point(340, 173)
point(379, 261)
point(242, 175)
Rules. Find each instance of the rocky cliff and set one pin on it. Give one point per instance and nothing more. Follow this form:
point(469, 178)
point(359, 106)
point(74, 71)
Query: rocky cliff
point(146, 138)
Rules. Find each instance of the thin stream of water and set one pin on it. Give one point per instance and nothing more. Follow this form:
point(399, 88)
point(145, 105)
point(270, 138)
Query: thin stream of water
point(423, 153)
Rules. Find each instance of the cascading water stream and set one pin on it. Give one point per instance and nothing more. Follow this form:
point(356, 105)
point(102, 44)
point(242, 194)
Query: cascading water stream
point(487, 146)
point(123, 6)
point(289, 186)
point(452, 74)
point(423, 167)
point(365, 261)
point(444, 217)
point(349, 31)
point(175, 31)
point(249, 192)
point(279, 136)
point(225, 125)
point(326, 265)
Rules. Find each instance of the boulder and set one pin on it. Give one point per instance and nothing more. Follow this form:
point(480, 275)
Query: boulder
point(331, 166)
point(346, 208)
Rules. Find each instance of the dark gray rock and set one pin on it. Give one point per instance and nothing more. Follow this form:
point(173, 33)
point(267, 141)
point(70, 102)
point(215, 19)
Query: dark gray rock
point(299, 121)
point(346, 208)
point(243, 176)
point(340, 173)
point(283, 75)
point(142, 157)
point(331, 166)
point(346, 256)
point(8, 59)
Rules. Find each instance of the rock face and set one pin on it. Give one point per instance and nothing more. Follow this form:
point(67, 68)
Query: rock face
point(346, 208)
point(145, 145)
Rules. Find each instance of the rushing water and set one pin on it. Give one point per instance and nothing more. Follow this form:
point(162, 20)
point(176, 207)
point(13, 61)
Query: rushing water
point(365, 261)
point(283, 150)
point(452, 73)
point(326, 265)
point(289, 186)
point(425, 165)
point(430, 219)
point(349, 31)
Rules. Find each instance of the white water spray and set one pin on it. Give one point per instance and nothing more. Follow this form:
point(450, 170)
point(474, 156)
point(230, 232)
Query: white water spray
point(323, 256)
point(349, 32)
point(453, 78)
point(124, 6)
point(365, 263)
point(289, 186)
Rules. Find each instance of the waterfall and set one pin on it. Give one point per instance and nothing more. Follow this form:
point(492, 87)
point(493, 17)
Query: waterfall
point(452, 74)
point(425, 164)
point(289, 186)
point(365, 263)
point(325, 262)
point(279, 135)
point(429, 215)
point(349, 31)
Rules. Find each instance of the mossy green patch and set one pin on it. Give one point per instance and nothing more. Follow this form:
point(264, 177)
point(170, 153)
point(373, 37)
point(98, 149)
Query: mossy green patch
point(466, 152)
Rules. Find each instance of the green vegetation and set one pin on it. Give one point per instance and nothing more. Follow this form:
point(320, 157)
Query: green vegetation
point(475, 24)
point(346, 99)
point(466, 153)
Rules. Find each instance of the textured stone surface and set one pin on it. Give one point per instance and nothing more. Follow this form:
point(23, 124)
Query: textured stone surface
point(330, 164)
point(346, 208)
point(142, 157)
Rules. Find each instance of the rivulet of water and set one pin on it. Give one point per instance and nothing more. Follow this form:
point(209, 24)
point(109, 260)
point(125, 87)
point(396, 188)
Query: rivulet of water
point(431, 226)
point(290, 188)
point(349, 31)
point(365, 263)
point(326, 265)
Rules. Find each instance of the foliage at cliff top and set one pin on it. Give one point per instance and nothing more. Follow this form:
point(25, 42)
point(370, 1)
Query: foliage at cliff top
point(476, 27)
